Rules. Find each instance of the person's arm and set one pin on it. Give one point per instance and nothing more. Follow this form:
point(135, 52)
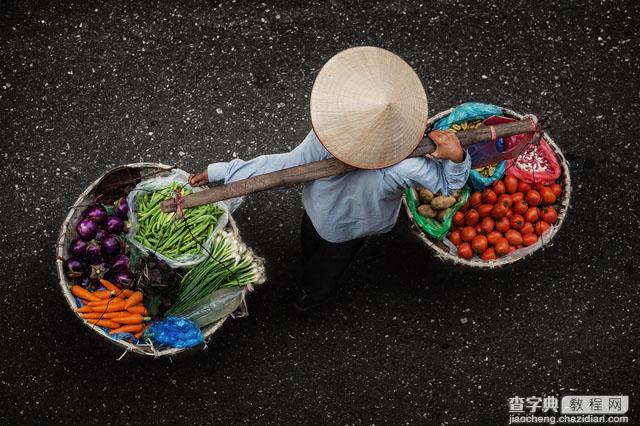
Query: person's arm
point(308, 151)
point(445, 172)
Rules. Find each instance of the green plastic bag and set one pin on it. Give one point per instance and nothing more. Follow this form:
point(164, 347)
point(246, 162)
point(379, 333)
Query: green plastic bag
point(431, 226)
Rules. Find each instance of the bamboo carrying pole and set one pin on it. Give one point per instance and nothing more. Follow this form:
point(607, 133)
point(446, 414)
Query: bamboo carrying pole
point(332, 166)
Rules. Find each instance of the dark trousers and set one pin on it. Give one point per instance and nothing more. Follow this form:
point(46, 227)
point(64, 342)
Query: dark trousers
point(324, 262)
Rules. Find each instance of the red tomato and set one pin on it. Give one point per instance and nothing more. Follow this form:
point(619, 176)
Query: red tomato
point(479, 244)
point(556, 188)
point(472, 217)
point(488, 196)
point(523, 187)
point(505, 200)
point(468, 233)
point(541, 227)
point(498, 187)
point(464, 207)
point(549, 214)
point(499, 210)
point(455, 237)
point(539, 186)
point(517, 221)
point(489, 254)
point(527, 228)
point(520, 207)
point(529, 239)
point(533, 197)
point(475, 200)
point(502, 224)
point(511, 184)
point(502, 246)
point(517, 196)
point(513, 237)
point(532, 215)
point(487, 225)
point(493, 237)
point(548, 197)
point(464, 251)
point(458, 218)
point(484, 210)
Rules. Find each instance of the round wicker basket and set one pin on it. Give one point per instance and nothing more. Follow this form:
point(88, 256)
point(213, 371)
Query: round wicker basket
point(444, 253)
point(110, 186)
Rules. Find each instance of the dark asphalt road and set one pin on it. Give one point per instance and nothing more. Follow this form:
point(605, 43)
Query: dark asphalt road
point(84, 87)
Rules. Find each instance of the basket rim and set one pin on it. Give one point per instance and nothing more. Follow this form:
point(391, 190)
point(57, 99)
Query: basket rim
point(565, 202)
point(64, 283)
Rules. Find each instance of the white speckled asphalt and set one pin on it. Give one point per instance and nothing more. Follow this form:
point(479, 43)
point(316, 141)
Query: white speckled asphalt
point(84, 87)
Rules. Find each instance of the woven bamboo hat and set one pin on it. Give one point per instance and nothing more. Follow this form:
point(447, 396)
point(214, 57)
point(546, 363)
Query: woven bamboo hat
point(368, 107)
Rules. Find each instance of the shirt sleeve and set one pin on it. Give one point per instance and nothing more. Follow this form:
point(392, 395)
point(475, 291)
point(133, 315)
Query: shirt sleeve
point(436, 175)
point(308, 151)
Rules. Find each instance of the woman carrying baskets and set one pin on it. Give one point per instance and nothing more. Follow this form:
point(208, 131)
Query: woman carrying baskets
point(369, 110)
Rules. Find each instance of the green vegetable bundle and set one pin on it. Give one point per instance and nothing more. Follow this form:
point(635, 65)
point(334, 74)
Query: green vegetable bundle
point(229, 264)
point(168, 235)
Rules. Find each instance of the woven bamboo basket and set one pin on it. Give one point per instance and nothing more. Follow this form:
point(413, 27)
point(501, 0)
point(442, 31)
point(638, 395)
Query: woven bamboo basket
point(443, 252)
point(115, 183)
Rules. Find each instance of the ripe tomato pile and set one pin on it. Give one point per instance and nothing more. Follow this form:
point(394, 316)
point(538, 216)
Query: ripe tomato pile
point(509, 215)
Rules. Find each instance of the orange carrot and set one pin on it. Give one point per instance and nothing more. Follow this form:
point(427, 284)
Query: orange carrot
point(127, 292)
point(119, 293)
point(129, 319)
point(104, 294)
point(134, 299)
point(103, 323)
point(78, 291)
point(117, 314)
point(93, 315)
point(116, 305)
point(106, 315)
point(139, 334)
point(127, 329)
point(138, 309)
point(85, 308)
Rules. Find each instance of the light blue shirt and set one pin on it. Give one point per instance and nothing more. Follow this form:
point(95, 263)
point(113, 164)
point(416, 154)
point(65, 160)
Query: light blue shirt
point(355, 204)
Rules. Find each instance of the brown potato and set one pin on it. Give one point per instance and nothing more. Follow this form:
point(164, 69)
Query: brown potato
point(442, 202)
point(441, 214)
point(426, 196)
point(426, 211)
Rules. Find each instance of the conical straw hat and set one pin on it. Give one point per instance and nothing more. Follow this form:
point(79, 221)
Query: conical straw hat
point(368, 107)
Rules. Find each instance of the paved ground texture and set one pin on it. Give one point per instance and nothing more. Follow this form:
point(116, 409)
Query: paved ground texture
point(85, 86)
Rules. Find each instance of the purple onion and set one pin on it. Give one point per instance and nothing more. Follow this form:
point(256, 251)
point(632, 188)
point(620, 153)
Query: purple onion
point(94, 252)
point(122, 208)
point(120, 263)
point(100, 234)
point(75, 267)
point(110, 245)
point(124, 277)
point(87, 229)
point(96, 212)
point(78, 248)
point(115, 225)
point(98, 270)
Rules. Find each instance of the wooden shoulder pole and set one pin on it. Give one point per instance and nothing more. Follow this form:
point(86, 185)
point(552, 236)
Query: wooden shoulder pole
point(331, 167)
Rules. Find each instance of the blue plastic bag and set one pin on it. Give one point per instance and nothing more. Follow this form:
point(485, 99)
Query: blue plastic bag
point(480, 182)
point(467, 112)
point(174, 332)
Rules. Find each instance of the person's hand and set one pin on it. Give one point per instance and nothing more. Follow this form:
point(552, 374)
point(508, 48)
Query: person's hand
point(199, 179)
point(447, 145)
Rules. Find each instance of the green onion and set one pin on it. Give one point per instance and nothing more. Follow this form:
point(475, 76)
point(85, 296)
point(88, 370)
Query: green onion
point(228, 265)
